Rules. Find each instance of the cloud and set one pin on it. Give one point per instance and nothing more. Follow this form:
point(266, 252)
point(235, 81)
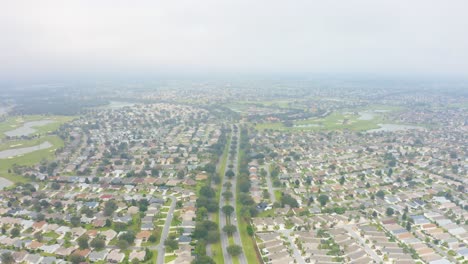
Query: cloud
point(354, 36)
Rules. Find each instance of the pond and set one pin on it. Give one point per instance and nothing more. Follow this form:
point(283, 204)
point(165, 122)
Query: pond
point(393, 128)
point(118, 104)
point(27, 128)
point(9, 153)
point(370, 114)
point(366, 116)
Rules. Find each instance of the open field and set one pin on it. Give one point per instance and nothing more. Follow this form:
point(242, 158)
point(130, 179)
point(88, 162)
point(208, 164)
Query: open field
point(358, 119)
point(243, 106)
point(17, 144)
point(34, 157)
point(15, 122)
point(29, 159)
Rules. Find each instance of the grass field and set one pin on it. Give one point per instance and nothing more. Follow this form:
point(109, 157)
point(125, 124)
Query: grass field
point(14, 144)
point(29, 159)
point(35, 157)
point(14, 122)
point(346, 119)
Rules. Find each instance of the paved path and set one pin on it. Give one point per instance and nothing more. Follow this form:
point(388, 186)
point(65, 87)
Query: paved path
point(224, 238)
point(369, 251)
point(165, 232)
point(236, 235)
point(269, 184)
point(296, 253)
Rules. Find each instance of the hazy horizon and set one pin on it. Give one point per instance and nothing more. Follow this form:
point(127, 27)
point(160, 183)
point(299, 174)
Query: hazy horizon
point(73, 40)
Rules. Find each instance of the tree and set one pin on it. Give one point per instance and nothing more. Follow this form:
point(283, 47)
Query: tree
point(390, 211)
point(38, 236)
point(75, 220)
point(76, 259)
point(228, 210)
point(55, 186)
point(202, 229)
point(171, 243)
point(289, 200)
point(122, 244)
point(212, 236)
point(229, 229)
point(227, 195)
point(323, 199)
point(128, 236)
point(342, 180)
point(234, 250)
point(230, 174)
point(207, 191)
point(118, 226)
point(15, 232)
point(152, 238)
point(98, 243)
point(180, 174)
point(7, 258)
point(109, 208)
point(408, 226)
point(250, 230)
point(203, 260)
point(83, 241)
point(380, 194)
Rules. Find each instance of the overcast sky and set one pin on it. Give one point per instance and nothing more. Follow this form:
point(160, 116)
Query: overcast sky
point(402, 37)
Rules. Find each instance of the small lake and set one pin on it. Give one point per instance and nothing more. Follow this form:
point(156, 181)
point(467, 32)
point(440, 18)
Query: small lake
point(393, 128)
point(117, 104)
point(366, 116)
point(27, 128)
point(9, 153)
point(369, 115)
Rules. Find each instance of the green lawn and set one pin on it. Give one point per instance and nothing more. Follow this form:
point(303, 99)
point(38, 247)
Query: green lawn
point(14, 122)
point(277, 195)
point(29, 159)
point(15, 144)
point(344, 119)
point(216, 248)
point(169, 258)
point(35, 157)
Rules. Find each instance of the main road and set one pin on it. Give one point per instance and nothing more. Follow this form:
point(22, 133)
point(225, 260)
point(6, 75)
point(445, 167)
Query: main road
point(223, 218)
point(266, 167)
point(165, 232)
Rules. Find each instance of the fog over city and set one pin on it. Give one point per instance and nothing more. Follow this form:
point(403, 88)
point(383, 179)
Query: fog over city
point(59, 39)
point(234, 132)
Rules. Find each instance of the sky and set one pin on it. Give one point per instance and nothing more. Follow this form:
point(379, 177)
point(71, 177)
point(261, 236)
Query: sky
point(53, 38)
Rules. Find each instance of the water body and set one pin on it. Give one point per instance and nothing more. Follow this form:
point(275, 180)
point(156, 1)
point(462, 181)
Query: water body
point(393, 128)
point(308, 125)
point(27, 128)
point(4, 183)
point(366, 116)
point(10, 153)
point(118, 104)
point(369, 115)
